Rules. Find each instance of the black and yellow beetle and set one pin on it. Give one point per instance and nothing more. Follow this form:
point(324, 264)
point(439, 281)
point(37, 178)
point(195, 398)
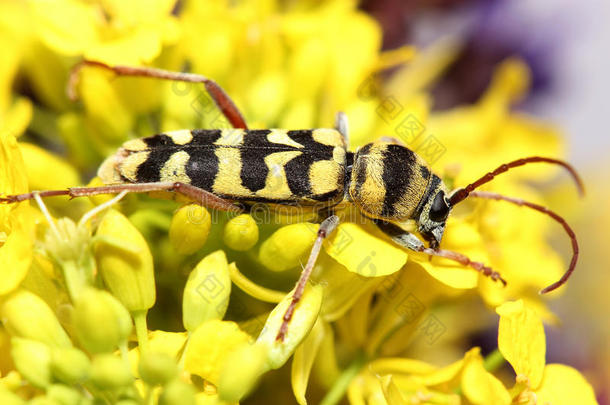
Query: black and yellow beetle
point(227, 169)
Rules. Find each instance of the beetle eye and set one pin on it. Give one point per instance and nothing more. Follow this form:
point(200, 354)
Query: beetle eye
point(439, 209)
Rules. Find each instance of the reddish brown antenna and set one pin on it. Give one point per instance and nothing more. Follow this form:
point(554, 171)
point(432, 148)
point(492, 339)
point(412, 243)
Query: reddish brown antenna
point(555, 216)
point(462, 193)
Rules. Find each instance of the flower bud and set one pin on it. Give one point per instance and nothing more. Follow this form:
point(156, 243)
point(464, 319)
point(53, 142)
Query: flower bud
point(109, 372)
point(241, 370)
point(207, 290)
point(101, 322)
point(177, 392)
point(72, 243)
point(125, 262)
point(286, 247)
point(190, 228)
point(241, 233)
point(70, 365)
point(303, 319)
point(156, 368)
point(64, 395)
point(33, 360)
point(26, 315)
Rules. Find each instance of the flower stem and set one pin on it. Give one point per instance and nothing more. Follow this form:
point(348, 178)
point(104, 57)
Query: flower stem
point(139, 318)
point(493, 361)
point(75, 280)
point(340, 386)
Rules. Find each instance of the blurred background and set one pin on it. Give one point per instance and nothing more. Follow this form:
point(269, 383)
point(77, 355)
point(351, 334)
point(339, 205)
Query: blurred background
point(566, 44)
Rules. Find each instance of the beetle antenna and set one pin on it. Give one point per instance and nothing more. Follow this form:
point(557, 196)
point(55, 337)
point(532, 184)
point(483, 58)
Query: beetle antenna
point(556, 217)
point(462, 193)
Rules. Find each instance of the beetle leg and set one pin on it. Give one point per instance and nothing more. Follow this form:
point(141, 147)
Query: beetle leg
point(412, 242)
point(220, 97)
point(326, 228)
point(342, 125)
point(200, 196)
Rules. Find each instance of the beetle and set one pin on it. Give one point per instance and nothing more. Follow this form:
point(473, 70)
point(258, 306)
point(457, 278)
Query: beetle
point(227, 169)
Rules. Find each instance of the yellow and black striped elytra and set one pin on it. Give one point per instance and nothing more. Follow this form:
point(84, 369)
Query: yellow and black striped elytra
point(268, 165)
point(388, 182)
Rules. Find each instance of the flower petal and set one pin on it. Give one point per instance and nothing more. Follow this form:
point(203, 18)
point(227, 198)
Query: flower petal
point(400, 365)
point(391, 392)
point(363, 253)
point(521, 340)
point(66, 26)
point(303, 319)
point(16, 251)
point(480, 386)
point(209, 346)
point(303, 361)
point(564, 385)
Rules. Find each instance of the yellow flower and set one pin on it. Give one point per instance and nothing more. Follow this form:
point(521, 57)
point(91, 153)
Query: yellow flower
point(16, 223)
point(521, 341)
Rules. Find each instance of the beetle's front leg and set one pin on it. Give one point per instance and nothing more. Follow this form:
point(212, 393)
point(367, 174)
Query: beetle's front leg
point(412, 242)
point(326, 228)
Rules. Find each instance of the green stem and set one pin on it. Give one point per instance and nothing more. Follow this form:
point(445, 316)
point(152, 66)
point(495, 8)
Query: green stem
point(337, 391)
point(124, 353)
point(139, 318)
point(493, 361)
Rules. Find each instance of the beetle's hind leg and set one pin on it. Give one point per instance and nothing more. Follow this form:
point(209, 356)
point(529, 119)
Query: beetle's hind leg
point(412, 242)
point(220, 97)
point(326, 228)
point(198, 195)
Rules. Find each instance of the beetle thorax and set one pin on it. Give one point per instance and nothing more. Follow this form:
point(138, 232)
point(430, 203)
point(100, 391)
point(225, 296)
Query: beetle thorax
point(388, 181)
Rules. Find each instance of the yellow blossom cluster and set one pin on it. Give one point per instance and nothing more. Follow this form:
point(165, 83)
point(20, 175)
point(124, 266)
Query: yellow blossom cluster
point(136, 300)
